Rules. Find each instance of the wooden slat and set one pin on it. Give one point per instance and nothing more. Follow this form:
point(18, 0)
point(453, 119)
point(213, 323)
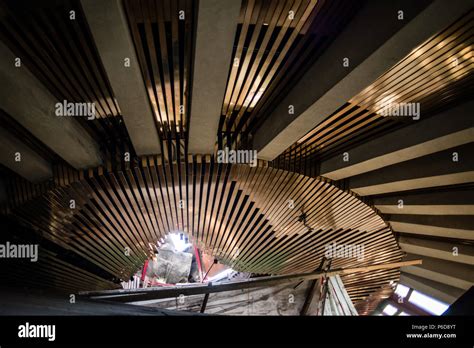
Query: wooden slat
point(241, 215)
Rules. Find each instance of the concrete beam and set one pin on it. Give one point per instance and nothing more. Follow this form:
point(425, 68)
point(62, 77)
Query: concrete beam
point(464, 222)
point(452, 202)
point(450, 273)
point(455, 252)
point(427, 209)
point(442, 292)
point(25, 99)
point(434, 170)
point(458, 196)
point(216, 27)
point(460, 227)
point(31, 166)
point(447, 130)
point(316, 98)
point(109, 28)
point(434, 231)
point(420, 183)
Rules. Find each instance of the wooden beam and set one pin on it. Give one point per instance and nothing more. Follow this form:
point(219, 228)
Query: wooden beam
point(132, 295)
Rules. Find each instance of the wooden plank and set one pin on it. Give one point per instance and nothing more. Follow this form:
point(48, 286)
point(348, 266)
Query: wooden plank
point(175, 291)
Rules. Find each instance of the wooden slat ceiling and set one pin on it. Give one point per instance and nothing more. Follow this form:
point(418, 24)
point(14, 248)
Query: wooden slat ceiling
point(164, 44)
point(54, 268)
point(435, 74)
point(61, 53)
point(51, 272)
point(271, 50)
point(238, 213)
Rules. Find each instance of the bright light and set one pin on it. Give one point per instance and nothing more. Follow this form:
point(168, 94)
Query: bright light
point(179, 242)
point(221, 275)
point(428, 303)
point(403, 314)
point(402, 290)
point(390, 310)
